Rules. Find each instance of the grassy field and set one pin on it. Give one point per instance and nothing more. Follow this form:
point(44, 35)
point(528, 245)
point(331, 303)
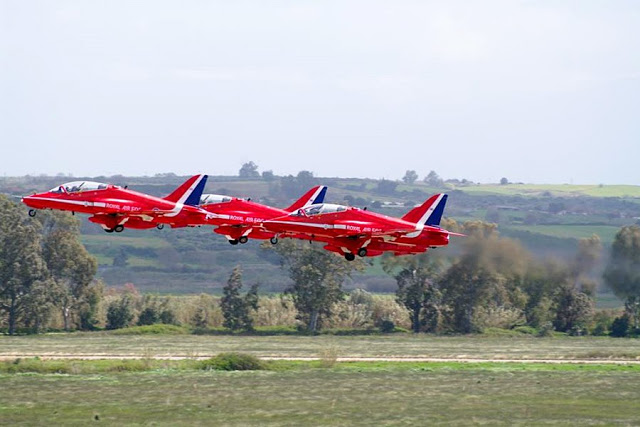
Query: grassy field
point(555, 189)
point(159, 392)
point(605, 232)
point(345, 394)
point(397, 345)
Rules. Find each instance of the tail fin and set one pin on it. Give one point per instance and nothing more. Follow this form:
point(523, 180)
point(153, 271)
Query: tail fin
point(189, 193)
point(428, 213)
point(311, 197)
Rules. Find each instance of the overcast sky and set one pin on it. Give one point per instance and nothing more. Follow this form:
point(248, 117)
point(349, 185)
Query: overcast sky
point(535, 91)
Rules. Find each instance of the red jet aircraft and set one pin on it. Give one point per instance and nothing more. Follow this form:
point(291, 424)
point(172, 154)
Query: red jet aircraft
point(350, 231)
point(114, 207)
point(238, 219)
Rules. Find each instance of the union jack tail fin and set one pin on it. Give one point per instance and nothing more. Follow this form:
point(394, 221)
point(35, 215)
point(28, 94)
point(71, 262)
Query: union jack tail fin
point(311, 197)
point(189, 193)
point(428, 213)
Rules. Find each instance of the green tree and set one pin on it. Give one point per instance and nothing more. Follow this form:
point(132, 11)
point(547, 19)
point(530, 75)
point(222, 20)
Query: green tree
point(22, 268)
point(386, 187)
point(622, 273)
point(486, 275)
point(249, 170)
point(120, 312)
point(417, 290)
point(237, 309)
point(70, 265)
point(433, 180)
point(574, 310)
point(268, 175)
point(410, 177)
point(317, 276)
point(295, 186)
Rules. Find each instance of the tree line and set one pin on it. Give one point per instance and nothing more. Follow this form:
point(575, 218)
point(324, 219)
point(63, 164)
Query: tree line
point(493, 282)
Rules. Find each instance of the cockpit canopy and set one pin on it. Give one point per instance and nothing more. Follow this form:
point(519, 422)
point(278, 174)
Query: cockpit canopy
point(321, 208)
point(76, 186)
point(208, 199)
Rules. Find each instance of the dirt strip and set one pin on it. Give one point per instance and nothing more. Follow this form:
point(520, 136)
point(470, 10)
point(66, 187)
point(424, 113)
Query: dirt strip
point(99, 356)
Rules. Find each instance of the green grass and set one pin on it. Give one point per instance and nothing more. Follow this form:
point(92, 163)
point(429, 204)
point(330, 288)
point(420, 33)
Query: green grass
point(117, 240)
point(342, 395)
point(516, 347)
point(555, 189)
point(606, 232)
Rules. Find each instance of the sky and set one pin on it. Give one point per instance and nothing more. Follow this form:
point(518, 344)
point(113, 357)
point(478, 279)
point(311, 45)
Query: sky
point(532, 90)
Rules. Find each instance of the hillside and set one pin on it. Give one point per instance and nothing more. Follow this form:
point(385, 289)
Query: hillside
point(548, 219)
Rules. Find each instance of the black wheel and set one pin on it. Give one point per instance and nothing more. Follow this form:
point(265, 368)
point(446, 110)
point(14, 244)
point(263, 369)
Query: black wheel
point(32, 213)
point(108, 230)
point(362, 252)
point(273, 240)
point(160, 226)
point(243, 239)
point(233, 242)
point(349, 256)
point(118, 228)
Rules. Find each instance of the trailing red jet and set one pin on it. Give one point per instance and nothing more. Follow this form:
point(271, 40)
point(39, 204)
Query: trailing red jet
point(115, 208)
point(351, 231)
point(240, 219)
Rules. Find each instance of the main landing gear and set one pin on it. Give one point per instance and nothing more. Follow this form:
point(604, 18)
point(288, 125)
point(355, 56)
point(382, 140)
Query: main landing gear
point(273, 240)
point(243, 240)
point(32, 213)
point(362, 252)
point(160, 226)
point(118, 229)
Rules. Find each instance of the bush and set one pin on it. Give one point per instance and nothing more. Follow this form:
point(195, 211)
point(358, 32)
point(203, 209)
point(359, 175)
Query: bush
point(546, 330)
point(387, 326)
point(148, 316)
point(528, 330)
point(157, 329)
point(620, 326)
point(119, 313)
point(232, 362)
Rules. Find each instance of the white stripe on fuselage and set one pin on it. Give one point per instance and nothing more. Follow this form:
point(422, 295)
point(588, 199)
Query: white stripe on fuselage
point(73, 202)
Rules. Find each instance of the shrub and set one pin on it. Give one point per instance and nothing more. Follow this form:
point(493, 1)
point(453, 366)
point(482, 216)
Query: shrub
point(148, 316)
point(528, 330)
point(620, 326)
point(546, 330)
point(387, 326)
point(157, 329)
point(232, 362)
point(119, 313)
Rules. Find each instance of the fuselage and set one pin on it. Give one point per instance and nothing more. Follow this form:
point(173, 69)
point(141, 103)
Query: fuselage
point(349, 230)
point(112, 205)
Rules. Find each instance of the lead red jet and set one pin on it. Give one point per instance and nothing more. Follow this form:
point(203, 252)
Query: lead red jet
point(114, 207)
point(240, 219)
point(351, 231)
